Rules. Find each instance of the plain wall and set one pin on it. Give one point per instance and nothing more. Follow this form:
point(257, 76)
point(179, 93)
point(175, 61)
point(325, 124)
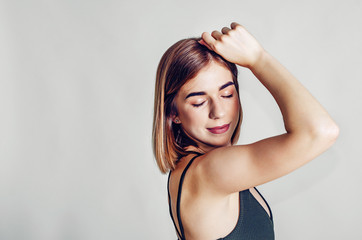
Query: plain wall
point(76, 108)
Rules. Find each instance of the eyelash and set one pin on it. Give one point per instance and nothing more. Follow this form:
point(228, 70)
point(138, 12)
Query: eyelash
point(200, 104)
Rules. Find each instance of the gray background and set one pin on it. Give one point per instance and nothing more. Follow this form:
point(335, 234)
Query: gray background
point(76, 105)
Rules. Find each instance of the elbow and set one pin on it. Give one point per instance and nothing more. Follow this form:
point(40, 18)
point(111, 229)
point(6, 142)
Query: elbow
point(327, 132)
point(335, 131)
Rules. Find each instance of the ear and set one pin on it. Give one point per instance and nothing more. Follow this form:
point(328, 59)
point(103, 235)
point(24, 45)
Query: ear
point(176, 119)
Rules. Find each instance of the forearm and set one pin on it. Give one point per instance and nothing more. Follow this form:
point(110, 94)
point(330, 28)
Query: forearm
point(301, 111)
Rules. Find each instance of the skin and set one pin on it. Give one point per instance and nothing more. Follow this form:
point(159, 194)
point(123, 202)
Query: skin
point(213, 108)
point(209, 200)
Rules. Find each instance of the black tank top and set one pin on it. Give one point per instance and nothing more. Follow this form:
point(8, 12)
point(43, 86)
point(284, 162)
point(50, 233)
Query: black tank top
point(253, 223)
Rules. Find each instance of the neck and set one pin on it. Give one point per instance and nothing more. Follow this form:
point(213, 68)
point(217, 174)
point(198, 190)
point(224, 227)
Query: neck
point(203, 148)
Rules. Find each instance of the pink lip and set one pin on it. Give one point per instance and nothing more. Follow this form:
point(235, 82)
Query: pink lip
point(220, 129)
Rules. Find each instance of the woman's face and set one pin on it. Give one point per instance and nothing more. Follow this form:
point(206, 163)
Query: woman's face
point(208, 107)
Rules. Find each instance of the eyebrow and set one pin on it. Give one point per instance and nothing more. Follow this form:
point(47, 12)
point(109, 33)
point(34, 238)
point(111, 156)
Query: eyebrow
point(203, 93)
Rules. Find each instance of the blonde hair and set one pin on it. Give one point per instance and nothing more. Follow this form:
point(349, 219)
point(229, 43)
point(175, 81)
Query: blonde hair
point(181, 62)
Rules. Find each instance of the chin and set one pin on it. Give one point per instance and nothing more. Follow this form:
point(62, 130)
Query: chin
point(212, 141)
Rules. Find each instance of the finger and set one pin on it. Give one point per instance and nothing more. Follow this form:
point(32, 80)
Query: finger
point(202, 42)
point(208, 39)
point(233, 25)
point(216, 34)
point(225, 30)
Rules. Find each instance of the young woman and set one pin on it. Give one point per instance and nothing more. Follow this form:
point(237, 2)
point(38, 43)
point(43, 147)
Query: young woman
point(197, 120)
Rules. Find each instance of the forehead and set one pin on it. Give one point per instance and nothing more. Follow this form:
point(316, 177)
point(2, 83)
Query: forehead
point(210, 78)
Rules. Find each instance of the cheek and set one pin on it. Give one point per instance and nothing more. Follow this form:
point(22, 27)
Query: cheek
point(235, 111)
point(237, 107)
point(234, 107)
point(191, 118)
point(187, 116)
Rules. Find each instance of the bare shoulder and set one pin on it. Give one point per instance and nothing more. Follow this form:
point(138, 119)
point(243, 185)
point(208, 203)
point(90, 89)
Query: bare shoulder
point(175, 178)
point(198, 207)
point(232, 169)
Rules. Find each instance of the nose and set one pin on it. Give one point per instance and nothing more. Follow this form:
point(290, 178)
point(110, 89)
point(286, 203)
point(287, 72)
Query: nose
point(217, 111)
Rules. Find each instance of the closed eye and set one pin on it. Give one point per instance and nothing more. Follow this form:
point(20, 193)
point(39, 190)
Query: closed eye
point(197, 105)
point(228, 96)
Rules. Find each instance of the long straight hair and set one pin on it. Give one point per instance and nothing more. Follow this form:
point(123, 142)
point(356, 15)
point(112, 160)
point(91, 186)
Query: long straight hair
point(181, 62)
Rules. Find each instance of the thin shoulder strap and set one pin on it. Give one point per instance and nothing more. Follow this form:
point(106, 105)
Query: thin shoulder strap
point(271, 214)
point(182, 235)
point(169, 203)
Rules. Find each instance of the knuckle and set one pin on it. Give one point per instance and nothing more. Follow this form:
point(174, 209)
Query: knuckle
point(239, 27)
point(232, 33)
point(216, 46)
point(223, 38)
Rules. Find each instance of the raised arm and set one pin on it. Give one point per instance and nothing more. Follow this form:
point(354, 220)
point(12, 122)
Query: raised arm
point(310, 129)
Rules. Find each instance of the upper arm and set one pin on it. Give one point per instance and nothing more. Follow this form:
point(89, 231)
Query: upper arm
point(236, 168)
